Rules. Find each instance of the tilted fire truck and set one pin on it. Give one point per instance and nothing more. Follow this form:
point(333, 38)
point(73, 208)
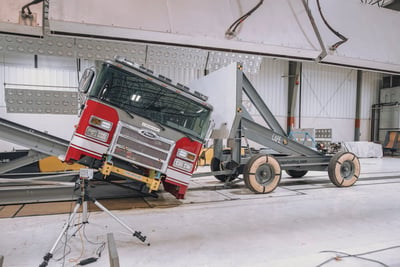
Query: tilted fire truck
point(140, 126)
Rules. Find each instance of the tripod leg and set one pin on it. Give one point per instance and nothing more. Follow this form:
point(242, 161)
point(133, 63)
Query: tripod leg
point(84, 212)
point(49, 255)
point(134, 233)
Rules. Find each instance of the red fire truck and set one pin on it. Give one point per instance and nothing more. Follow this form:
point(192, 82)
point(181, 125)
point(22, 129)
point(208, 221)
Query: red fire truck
point(140, 126)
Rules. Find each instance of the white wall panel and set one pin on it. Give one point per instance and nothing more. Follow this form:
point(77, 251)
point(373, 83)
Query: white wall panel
point(328, 92)
point(371, 82)
point(51, 79)
point(21, 71)
point(271, 83)
point(342, 129)
point(328, 99)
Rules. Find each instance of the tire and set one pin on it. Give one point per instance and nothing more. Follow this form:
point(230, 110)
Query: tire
point(262, 174)
point(215, 165)
point(296, 173)
point(344, 169)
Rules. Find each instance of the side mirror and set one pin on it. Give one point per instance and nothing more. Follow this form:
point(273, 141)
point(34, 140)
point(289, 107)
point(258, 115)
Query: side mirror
point(86, 81)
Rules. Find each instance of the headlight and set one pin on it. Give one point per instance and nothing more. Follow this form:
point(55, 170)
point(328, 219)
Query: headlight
point(183, 165)
point(103, 124)
point(96, 134)
point(184, 154)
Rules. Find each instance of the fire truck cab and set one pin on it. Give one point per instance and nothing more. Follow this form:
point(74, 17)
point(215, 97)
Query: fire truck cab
point(139, 126)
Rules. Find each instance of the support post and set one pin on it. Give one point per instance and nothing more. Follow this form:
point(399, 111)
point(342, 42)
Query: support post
point(357, 124)
point(293, 88)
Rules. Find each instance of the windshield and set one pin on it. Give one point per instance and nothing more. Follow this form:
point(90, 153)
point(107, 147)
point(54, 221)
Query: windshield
point(139, 96)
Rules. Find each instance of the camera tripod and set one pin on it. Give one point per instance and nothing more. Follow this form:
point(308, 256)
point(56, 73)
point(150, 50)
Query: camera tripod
point(85, 175)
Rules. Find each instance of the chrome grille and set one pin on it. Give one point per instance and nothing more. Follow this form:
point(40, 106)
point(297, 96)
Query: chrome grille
point(132, 145)
point(129, 133)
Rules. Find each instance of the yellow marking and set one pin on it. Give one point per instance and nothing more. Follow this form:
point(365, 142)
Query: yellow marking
point(152, 182)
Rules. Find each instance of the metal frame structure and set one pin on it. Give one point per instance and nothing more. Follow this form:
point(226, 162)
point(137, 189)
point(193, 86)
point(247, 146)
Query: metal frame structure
point(282, 152)
point(290, 154)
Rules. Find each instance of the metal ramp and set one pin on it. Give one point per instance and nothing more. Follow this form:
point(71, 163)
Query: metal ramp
point(41, 144)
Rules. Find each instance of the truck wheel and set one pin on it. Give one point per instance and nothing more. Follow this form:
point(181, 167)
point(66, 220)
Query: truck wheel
point(344, 169)
point(296, 173)
point(262, 174)
point(215, 165)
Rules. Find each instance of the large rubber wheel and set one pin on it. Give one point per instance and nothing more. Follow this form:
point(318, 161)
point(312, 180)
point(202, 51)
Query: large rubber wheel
point(262, 174)
point(215, 165)
point(344, 169)
point(296, 173)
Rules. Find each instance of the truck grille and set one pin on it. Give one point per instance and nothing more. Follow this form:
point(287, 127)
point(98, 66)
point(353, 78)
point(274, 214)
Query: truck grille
point(141, 147)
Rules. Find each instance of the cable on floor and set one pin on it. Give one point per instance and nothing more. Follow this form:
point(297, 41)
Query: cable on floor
point(357, 256)
point(101, 244)
point(65, 242)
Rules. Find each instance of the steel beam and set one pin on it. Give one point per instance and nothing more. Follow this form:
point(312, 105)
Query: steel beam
point(262, 108)
point(32, 139)
point(36, 193)
point(32, 157)
point(280, 143)
point(357, 125)
point(293, 88)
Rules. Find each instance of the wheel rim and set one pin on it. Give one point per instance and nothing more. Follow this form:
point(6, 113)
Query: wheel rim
point(264, 174)
point(344, 169)
point(347, 170)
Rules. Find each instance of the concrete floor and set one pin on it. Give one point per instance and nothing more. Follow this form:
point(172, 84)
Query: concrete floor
point(215, 226)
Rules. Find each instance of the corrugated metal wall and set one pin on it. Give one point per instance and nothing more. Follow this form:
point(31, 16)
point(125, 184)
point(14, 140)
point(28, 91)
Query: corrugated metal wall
point(271, 83)
point(328, 92)
point(328, 100)
point(56, 74)
point(45, 78)
point(371, 83)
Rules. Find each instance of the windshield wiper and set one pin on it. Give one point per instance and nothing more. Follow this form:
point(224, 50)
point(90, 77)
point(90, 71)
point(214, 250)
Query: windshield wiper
point(130, 114)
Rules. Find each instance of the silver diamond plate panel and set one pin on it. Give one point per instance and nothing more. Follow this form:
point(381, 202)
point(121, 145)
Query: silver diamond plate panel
point(41, 101)
point(217, 60)
point(72, 47)
point(150, 55)
point(189, 58)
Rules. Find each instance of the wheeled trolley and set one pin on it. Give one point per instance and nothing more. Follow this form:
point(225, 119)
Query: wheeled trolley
point(244, 121)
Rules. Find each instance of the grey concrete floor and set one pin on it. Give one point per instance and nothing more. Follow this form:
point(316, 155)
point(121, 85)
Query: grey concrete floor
point(299, 224)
